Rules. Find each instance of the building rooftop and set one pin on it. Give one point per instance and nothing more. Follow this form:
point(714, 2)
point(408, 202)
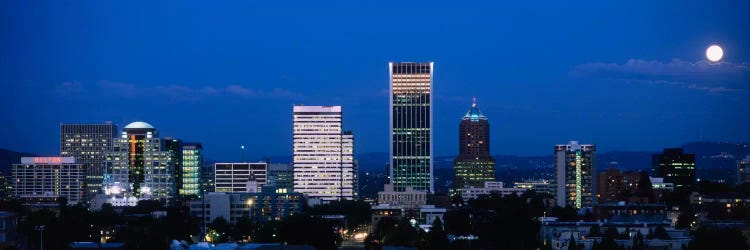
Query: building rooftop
point(139, 124)
point(474, 113)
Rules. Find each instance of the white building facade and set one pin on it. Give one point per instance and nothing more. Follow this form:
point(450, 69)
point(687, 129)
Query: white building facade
point(42, 180)
point(323, 162)
point(240, 177)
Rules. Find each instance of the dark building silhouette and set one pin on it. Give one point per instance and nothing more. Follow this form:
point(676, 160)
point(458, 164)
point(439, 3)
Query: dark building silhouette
point(474, 165)
point(676, 167)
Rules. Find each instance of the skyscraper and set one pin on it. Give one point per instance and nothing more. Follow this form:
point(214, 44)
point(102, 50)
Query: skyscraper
point(192, 158)
point(174, 146)
point(474, 165)
point(323, 154)
point(139, 166)
point(88, 143)
point(411, 126)
point(675, 167)
point(576, 174)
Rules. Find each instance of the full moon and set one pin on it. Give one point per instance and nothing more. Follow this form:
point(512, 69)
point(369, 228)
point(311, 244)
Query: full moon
point(714, 53)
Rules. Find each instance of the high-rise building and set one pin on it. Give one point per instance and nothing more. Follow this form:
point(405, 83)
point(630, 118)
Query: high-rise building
point(139, 167)
point(88, 143)
point(324, 165)
point(190, 178)
point(474, 166)
point(576, 174)
point(743, 171)
point(174, 146)
point(675, 167)
point(240, 177)
point(411, 126)
point(42, 180)
point(208, 175)
point(614, 185)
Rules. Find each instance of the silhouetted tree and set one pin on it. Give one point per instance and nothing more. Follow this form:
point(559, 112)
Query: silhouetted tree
point(729, 239)
point(437, 238)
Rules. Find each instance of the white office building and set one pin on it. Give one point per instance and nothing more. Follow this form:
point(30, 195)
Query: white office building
point(468, 193)
point(324, 166)
point(240, 177)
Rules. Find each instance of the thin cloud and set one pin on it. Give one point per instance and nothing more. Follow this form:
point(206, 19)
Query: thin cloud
point(174, 91)
point(702, 75)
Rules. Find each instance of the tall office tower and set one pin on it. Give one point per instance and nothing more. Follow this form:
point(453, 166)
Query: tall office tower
point(139, 166)
point(42, 180)
point(411, 126)
point(474, 165)
point(88, 143)
point(174, 146)
point(192, 158)
point(323, 154)
point(240, 177)
point(576, 174)
point(675, 167)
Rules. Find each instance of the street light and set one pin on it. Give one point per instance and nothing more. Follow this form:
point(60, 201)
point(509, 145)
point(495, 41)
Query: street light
point(40, 228)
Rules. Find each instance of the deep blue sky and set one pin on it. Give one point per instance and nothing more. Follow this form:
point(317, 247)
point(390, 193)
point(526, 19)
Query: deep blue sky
point(626, 76)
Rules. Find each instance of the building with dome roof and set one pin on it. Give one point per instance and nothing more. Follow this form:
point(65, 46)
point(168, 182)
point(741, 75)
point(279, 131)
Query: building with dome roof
point(474, 166)
point(139, 167)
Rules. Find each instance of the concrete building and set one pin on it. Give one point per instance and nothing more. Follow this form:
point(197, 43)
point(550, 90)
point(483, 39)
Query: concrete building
point(88, 144)
point(240, 177)
point(268, 205)
point(42, 180)
point(743, 170)
point(539, 186)
point(323, 154)
point(575, 168)
point(411, 126)
point(675, 167)
point(489, 187)
point(474, 165)
point(139, 167)
point(408, 199)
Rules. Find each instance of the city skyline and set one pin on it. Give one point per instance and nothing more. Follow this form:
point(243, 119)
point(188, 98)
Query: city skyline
point(525, 83)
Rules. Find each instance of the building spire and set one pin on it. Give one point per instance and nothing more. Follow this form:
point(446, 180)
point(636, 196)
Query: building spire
point(473, 102)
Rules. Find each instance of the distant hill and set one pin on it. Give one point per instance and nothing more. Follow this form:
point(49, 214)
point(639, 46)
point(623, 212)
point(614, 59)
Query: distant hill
point(8, 158)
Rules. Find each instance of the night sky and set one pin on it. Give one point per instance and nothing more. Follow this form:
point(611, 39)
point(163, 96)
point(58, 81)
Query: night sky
point(625, 76)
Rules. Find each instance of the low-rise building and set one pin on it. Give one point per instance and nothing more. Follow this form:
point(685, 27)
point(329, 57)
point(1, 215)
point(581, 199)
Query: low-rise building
point(540, 186)
point(269, 204)
point(490, 187)
point(559, 235)
point(408, 199)
point(8, 228)
point(381, 211)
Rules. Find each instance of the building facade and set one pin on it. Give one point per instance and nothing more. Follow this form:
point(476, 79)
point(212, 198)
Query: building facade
point(139, 167)
point(539, 186)
point(488, 188)
point(407, 199)
point(190, 178)
point(323, 162)
point(743, 171)
point(474, 166)
point(411, 126)
point(613, 185)
point(42, 180)
point(88, 144)
point(240, 177)
point(281, 176)
point(271, 204)
point(575, 170)
point(675, 167)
